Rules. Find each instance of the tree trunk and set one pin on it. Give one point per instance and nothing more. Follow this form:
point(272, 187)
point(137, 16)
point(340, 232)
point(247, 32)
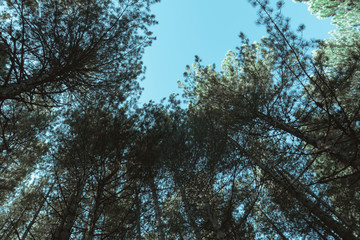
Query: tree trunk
point(138, 213)
point(63, 230)
point(274, 226)
point(36, 214)
point(297, 191)
point(158, 212)
point(95, 212)
point(189, 213)
point(342, 156)
point(13, 225)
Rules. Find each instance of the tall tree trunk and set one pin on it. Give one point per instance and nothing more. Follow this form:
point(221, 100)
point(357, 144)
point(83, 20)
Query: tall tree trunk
point(343, 157)
point(297, 191)
point(36, 214)
point(280, 233)
point(189, 212)
point(64, 228)
point(158, 212)
point(138, 214)
point(95, 212)
point(13, 225)
point(312, 223)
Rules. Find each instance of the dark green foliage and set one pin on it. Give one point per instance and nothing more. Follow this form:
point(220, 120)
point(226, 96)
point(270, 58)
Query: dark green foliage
point(268, 147)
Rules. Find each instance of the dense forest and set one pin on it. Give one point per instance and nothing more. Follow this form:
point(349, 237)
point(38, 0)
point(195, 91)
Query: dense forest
point(265, 148)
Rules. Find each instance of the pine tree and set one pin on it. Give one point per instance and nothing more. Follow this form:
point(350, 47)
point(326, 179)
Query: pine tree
point(281, 108)
point(63, 65)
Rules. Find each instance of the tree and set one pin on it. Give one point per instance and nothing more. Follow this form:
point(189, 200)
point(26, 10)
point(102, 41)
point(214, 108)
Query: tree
point(71, 46)
point(267, 148)
point(273, 94)
point(344, 13)
point(59, 58)
point(197, 203)
point(55, 50)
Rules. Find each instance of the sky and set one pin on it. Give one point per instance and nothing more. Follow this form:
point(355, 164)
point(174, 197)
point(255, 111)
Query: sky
point(207, 28)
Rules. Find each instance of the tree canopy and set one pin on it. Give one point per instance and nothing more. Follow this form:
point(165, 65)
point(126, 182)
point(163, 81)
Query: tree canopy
point(267, 147)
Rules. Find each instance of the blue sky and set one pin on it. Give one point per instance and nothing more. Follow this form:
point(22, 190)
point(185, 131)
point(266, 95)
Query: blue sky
point(207, 28)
